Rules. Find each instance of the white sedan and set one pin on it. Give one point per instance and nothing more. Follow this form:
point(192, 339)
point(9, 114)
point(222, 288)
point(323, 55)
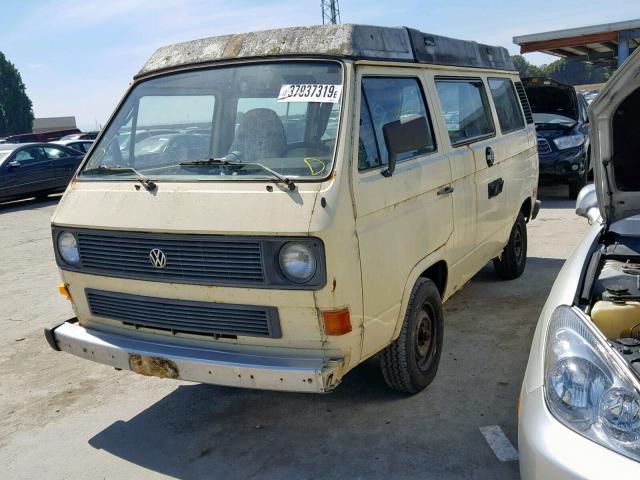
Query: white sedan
point(579, 408)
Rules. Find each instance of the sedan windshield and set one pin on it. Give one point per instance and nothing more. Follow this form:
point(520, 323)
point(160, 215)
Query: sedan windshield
point(283, 116)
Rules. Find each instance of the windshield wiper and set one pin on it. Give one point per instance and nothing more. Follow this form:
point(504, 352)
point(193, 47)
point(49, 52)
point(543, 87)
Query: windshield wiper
point(148, 184)
point(222, 162)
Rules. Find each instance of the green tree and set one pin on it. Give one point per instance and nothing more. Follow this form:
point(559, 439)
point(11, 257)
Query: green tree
point(570, 73)
point(16, 113)
point(525, 68)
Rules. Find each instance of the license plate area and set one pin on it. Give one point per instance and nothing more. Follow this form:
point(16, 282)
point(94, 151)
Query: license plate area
point(153, 366)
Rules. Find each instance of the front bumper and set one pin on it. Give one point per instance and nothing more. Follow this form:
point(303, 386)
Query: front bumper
point(549, 450)
point(218, 366)
point(558, 166)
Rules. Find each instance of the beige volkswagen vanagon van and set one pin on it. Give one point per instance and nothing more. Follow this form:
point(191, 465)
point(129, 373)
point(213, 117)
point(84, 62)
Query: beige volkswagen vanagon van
point(270, 209)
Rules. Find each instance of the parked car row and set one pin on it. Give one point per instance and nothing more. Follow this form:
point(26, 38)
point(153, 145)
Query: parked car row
point(36, 169)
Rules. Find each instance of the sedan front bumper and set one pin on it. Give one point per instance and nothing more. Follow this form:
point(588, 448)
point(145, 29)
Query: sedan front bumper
point(549, 450)
point(215, 365)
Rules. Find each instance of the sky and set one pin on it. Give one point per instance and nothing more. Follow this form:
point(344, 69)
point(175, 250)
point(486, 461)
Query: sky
point(77, 57)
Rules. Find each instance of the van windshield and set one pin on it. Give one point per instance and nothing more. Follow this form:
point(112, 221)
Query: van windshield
point(205, 124)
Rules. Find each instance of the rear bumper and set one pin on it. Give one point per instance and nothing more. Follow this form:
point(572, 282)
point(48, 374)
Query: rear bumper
point(295, 372)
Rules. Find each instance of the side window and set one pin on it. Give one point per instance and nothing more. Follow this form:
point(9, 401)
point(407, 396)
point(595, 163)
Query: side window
point(390, 99)
point(506, 102)
point(368, 156)
point(466, 109)
point(54, 153)
point(30, 155)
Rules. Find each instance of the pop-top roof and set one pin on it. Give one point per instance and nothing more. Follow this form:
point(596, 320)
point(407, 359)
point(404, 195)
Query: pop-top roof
point(341, 41)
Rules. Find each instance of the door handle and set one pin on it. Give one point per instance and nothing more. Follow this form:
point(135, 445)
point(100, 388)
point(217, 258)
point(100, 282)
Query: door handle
point(495, 187)
point(491, 159)
point(445, 191)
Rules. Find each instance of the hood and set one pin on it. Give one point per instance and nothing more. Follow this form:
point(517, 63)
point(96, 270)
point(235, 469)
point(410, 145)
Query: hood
point(615, 143)
point(242, 208)
point(549, 98)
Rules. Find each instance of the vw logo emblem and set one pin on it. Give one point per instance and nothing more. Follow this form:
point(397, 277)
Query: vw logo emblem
point(158, 258)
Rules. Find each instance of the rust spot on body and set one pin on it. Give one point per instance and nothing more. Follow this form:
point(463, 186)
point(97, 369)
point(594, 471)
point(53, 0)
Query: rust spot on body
point(153, 366)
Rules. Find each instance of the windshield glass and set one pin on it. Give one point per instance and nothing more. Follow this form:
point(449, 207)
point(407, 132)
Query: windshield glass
point(282, 115)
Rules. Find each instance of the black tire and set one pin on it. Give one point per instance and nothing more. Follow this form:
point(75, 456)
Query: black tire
point(511, 263)
point(410, 363)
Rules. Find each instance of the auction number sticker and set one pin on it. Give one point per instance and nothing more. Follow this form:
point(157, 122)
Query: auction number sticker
point(308, 92)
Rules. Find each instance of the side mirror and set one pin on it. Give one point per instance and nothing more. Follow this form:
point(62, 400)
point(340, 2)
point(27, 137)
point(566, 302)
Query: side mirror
point(14, 164)
point(587, 203)
point(404, 135)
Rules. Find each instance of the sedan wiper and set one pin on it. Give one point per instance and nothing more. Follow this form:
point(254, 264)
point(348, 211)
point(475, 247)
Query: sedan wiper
point(222, 162)
point(148, 184)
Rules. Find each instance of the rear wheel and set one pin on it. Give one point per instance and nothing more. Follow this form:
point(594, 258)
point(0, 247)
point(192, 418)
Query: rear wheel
point(411, 362)
point(513, 260)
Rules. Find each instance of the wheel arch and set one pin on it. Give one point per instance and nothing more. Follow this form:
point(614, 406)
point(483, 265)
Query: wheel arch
point(435, 268)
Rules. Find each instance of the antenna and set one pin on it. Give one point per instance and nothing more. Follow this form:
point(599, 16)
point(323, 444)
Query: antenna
point(330, 11)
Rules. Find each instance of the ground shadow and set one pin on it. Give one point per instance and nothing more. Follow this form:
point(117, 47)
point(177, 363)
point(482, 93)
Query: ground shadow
point(218, 432)
point(28, 204)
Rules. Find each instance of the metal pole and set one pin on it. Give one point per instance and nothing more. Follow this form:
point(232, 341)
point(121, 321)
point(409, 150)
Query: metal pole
point(623, 46)
point(330, 11)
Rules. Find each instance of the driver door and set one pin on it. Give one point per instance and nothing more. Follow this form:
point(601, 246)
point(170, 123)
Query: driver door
point(402, 218)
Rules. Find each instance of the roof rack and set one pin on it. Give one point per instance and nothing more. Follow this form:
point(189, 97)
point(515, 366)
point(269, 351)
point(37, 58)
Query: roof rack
point(359, 42)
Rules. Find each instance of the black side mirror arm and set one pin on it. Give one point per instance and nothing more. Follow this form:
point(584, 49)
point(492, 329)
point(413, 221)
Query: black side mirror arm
point(387, 172)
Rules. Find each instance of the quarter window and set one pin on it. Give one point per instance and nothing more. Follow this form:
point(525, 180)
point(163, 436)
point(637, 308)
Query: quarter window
point(385, 100)
point(506, 102)
point(466, 110)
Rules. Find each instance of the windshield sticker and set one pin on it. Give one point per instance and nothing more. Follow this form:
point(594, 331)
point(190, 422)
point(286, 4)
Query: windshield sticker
point(310, 93)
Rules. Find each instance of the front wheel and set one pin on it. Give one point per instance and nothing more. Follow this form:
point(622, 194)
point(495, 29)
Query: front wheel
point(511, 263)
point(410, 363)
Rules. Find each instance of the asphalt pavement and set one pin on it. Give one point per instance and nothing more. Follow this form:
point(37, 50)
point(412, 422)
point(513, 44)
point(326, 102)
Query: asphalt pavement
point(63, 417)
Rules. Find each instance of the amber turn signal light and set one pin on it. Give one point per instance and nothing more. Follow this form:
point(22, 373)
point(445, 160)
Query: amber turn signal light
point(337, 322)
point(64, 291)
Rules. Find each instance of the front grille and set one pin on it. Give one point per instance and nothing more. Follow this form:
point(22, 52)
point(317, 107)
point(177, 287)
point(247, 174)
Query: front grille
point(203, 259)
point(543, 146)
point(181, 316)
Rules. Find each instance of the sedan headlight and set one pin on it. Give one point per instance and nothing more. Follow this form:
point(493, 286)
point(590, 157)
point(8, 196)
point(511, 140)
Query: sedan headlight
point(570, 141)
point(68, 248)
point(297, 261)
point(586, 386)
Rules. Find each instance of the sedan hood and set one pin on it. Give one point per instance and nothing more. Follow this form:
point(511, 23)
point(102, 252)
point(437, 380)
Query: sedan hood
point(615, 116)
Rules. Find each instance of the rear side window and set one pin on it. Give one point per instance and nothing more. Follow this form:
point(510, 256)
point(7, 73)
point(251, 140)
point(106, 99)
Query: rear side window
point(466, 109)
point(385, 100)
point(506, 102)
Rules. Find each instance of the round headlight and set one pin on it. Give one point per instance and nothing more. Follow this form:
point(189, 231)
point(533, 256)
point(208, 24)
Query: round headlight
point(68, 248)
point(297, 262)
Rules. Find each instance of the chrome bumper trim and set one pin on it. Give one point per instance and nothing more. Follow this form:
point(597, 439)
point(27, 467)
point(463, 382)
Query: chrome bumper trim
point(295, 373)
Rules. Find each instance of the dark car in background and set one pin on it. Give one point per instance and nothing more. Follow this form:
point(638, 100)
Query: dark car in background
point(41, 137)
point(562, 127)
point(35, 169)
point(80, 145)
